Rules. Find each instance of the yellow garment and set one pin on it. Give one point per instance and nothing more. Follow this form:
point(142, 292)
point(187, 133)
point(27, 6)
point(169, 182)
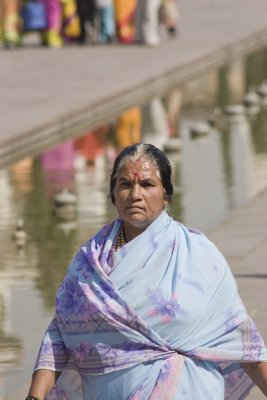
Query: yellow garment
point(128, 129)
point(52, 38)
point(124, 15)
point(71, 21)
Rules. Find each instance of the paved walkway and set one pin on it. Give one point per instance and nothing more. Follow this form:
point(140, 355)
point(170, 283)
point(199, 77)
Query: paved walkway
point(48, 95)
point(44, 93)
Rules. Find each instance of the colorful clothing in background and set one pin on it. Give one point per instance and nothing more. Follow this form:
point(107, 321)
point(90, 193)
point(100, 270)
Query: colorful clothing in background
point(147, 22)
point(58, 167)
point(125, 20)
point(128, 129)
point(105, 13)
point(52, 36)
point(10, 23)
point(70, 21)
point(150, 321)
point(91, 145)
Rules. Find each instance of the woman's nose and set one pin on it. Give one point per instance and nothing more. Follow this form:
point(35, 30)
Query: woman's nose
point(135, 192)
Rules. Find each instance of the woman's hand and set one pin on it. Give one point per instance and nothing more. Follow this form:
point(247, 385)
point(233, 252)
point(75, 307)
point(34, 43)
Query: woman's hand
point(42, 381)
point(258, 373)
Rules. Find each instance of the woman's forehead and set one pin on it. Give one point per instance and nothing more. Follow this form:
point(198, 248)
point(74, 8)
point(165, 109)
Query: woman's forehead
point(141, 167)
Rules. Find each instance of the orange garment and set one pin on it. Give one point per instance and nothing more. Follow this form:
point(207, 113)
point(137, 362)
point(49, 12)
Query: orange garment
point(9, 14)
point(124, 16)
point(128, 129)
point(92, 143)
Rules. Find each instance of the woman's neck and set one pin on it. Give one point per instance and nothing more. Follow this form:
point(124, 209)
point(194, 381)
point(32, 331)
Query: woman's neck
point(130, 232)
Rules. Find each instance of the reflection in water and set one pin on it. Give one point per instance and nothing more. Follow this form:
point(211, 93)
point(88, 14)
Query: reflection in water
point(240, 152)
point(155, 127)
point(58, 167)
point(211, 175)
point(259, 129)
point(91, 145)
point(203, 186)
point(128, 128)
point(232, 83)
point(172, 102)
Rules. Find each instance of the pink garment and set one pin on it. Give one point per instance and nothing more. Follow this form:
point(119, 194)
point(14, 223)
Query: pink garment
point(60, 157)
point(54, 14)
point(58, 167)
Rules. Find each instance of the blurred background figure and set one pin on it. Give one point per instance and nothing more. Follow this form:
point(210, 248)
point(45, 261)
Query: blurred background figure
point(52, 36)
point(92, 144)
point(147, 22)
point(87, 12)
point(106, 23)
point(172, 102)
point(155, 128)
point(10, 23)
point(125, 20)
point(70, 21)
point(169, 16)
point(151, 15)
point(128, 129)
point(58, 167)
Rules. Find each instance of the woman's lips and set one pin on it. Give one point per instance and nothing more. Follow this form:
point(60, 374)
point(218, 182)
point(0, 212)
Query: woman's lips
point(132, 208)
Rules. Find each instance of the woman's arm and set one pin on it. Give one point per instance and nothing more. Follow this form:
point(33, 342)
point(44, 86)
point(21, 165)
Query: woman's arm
point(42, 381)
point(258, 373)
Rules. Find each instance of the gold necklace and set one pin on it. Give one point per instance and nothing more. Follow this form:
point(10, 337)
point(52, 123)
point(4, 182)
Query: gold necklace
point(121, 240)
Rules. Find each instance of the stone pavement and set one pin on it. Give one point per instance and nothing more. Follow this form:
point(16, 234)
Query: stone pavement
point(48, 95)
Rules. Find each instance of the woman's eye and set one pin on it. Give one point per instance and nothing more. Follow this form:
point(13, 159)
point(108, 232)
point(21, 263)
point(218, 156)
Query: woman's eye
point(125, 184)
point(148, 184)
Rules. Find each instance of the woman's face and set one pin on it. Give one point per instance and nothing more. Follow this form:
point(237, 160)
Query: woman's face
point(139, 194)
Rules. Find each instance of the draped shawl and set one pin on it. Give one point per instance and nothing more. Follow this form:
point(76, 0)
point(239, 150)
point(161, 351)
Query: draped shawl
point(167, 295)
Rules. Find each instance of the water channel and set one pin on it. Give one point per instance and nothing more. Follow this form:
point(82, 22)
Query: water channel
point(219, 163)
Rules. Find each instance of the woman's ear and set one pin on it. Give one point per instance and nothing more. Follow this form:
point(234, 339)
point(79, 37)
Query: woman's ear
point(166, 200)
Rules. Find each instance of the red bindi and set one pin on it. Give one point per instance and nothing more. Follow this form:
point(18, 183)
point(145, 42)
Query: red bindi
point(136, 175)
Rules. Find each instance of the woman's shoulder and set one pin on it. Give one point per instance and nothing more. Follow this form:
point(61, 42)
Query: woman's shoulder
point(189, 230)
point(197, 236)
point(98, 237)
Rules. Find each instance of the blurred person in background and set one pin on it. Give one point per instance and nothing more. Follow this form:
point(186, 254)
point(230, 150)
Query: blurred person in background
point(70, 21)
point(169, 16)
point(87, 13)
point(10, 23)
point(151, 15)
point(52, 36)
point(147, 22)
point(106, 25)
point(125, 20)
point(128, 127)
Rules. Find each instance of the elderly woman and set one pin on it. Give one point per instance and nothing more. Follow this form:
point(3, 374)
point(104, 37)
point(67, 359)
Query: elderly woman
point(149, 308)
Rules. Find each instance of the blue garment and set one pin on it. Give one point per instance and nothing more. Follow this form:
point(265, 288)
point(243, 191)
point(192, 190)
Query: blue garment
point(159, 318)
point(107, 24)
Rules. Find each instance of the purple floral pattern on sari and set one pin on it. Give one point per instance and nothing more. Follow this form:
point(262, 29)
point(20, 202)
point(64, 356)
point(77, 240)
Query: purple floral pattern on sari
point(71, 297)
point(253, 345)
point(57, 393)
point(166, 307)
